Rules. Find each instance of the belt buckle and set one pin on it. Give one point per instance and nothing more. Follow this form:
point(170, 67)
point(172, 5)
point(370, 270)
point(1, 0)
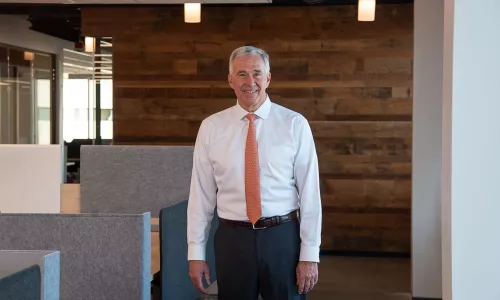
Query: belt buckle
point(258, 228)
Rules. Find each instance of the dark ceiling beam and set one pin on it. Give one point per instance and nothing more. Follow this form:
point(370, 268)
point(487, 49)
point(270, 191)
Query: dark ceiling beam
point(273, 3)
point(58, 20)
point(57, 28)
point(64, 20)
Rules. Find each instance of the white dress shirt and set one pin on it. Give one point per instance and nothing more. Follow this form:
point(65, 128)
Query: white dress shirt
point(289, 176)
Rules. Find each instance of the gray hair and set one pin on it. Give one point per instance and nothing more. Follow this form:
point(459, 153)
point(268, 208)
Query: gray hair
point(249, 50)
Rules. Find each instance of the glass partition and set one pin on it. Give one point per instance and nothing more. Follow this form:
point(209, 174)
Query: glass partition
point(87, 100)
point(88, 94)
point(26, 96)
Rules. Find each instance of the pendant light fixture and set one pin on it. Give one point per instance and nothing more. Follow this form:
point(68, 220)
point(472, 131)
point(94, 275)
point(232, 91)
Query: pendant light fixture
point(192, 12)
point(366, 10)
point(89, 44)
point(29, 55)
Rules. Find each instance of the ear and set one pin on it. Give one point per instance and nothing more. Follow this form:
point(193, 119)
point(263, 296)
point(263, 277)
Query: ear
point(268, 79)
point(230, 80)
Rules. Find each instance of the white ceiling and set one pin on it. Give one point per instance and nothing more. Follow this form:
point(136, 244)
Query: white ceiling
point(83, 2)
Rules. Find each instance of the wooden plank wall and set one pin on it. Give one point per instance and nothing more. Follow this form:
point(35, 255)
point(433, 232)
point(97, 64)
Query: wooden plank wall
point(352, 80)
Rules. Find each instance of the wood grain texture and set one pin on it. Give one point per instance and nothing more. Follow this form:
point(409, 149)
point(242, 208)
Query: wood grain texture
point(352, 80)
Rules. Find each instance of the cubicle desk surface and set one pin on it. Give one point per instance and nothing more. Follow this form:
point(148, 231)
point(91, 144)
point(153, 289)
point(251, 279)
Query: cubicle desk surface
point(70, 198)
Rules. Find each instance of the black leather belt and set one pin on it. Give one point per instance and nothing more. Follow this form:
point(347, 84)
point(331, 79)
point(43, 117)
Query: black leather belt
point(264, 222)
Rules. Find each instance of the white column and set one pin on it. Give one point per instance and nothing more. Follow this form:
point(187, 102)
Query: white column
point(427, 139)
point(471, 150)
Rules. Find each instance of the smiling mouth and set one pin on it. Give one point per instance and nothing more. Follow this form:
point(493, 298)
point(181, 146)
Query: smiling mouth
point(250, 92)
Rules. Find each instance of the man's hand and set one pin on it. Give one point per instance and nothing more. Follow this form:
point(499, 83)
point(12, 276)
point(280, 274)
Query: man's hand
point(307, 276)
point(197, 270)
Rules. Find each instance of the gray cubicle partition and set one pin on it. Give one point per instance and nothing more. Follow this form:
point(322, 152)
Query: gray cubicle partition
point(134, 179)
point(103, 256)
point(24, 284)
point(48, 261)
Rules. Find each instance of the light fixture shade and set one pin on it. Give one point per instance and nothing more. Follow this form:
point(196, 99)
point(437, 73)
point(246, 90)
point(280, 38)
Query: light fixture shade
point(29, 55)
point(192, 12)
point(89, 44)
point(366, 10)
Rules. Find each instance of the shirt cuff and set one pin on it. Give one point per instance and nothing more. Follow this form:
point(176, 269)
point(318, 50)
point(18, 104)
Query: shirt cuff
point(196, 252)
point(309, 254)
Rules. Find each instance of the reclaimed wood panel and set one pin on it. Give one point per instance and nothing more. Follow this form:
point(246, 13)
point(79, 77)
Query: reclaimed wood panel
point(369, 231)
point(352, 80)
point(196, 109)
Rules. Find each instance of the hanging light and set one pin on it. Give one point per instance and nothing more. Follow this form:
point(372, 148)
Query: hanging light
point(29, 55)
point(366, 10)
point(89, 44)
point(192, 12)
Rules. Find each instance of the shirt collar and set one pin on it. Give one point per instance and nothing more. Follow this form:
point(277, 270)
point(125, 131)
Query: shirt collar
point(262, 112)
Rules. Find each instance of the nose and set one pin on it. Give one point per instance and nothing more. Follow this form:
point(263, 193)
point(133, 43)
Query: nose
point(250, 81)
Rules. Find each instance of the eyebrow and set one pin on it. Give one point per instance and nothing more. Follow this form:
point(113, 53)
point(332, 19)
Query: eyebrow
point(256, 70)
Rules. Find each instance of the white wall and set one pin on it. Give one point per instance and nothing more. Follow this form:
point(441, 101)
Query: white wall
point(30, 178)
point(14, 30)
point(426, 189)
point(472, 166)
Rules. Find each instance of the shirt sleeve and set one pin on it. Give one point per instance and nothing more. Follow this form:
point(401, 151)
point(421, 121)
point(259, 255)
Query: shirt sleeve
point(306, 172)
point(202, 196)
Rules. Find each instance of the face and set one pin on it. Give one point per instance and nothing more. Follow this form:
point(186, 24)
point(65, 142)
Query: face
point(249, 80)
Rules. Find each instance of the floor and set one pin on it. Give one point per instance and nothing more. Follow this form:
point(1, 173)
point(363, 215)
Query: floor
point(355, 278)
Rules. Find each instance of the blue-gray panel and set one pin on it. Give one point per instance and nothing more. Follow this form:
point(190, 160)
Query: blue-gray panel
point(105, 256)
point(50, 266)
point(176, 283)
point(51, 279)
point(23, 285)
point(134, 179)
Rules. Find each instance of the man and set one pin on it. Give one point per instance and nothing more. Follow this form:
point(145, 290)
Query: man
point(256, 162)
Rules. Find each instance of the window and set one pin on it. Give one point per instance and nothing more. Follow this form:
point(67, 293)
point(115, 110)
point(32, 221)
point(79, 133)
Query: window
point(26, 96)
point(79, 97)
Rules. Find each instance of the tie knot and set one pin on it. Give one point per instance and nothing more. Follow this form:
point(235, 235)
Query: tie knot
point(251, 117)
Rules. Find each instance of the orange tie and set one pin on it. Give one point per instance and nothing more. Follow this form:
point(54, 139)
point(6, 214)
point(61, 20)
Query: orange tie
point(252, 179)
